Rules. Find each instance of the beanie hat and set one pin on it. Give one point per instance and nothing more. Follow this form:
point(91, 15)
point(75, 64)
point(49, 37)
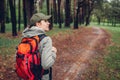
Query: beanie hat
point(37, 17)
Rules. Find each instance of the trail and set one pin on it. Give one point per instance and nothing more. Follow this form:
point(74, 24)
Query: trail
point(84, 55)
point(79, 66)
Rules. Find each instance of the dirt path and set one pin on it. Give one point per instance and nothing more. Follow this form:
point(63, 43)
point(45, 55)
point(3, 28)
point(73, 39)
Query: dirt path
point(93, 40)
point(74, 53)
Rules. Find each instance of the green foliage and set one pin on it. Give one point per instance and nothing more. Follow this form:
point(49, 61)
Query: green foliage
point(108, 11)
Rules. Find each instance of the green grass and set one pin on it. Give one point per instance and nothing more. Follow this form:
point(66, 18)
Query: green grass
point(113, 60)
point(110, 68)
point(8, 44)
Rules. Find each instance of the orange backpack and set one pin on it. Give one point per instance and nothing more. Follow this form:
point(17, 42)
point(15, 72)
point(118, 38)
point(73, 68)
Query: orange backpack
point(28, 59)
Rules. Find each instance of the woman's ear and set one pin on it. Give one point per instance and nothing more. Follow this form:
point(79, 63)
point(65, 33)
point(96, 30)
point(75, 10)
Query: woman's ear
point(37, 23)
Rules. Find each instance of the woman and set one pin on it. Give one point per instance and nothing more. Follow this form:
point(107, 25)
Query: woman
point(38, 26)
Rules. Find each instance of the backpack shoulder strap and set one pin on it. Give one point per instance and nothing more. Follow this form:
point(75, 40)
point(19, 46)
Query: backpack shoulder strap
point(42, 36)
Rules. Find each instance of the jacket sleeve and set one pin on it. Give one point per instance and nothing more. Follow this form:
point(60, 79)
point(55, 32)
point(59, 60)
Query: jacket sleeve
point(47, 55)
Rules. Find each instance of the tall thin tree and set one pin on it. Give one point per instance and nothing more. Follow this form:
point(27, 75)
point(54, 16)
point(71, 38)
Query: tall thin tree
point(24, 13)
point(51, 12)
point(7, 12)
point(67, 13)
point(2, 16)
point(59, 16)
point(13, 18)
point(76, 15)
point(55, 17)
point(29, 9)
point(89, 9)
point(48, 9)
point(19, 14)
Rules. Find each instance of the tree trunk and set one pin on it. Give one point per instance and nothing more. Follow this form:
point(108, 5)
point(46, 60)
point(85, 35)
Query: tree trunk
point(13, 18)
point(98, 18)
point(87, 20)
point(59, 17)
point(76, 20)
point(76, 17)
point(37, 5)
point(41, 3)
point(81, 12)
point(67, 13)
point(24, 14)
point(29, 9)
point(19, 14)
point(83, 15)
point(2, 16)
point(55, 12)
point(7, 16)
point(51, 12)
point(48, 9)
point(51, 20)
point(89, 10)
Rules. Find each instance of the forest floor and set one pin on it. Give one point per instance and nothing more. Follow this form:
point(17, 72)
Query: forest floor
point(75, 51)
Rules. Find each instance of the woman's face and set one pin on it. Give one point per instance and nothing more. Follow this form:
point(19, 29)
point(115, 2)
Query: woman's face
point(44, 24)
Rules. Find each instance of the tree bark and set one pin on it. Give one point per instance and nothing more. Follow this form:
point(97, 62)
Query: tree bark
point(59, 16)
point(13, 18)
point(89, 10)
point(19, 14)
point(51, 12)
point(76, 20)
point(76, 16)
point(55, 12)
point(24, 14)
point(29, 9)
point(48, 9)
point(7, 16)
point(2, 16)
point(67, 13)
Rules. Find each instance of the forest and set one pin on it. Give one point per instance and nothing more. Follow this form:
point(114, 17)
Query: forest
point(85, 33)
point(66, 12)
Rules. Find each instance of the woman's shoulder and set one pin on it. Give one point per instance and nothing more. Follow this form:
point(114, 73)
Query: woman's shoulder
point(46, 39)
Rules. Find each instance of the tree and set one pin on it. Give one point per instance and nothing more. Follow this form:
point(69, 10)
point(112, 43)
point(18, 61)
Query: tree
point(29, 9)
point(77, 9)
point(89, 8)
point(7, 12)
point(37, 5)
point(19, 14)
point(2, 16)
point(59, 16)
point(48, 9)
point(107, 11)
point(13, 18)
point(55, 18)
point(24, 13)
point(67, 13)
point(115, 11)
point(82, 11)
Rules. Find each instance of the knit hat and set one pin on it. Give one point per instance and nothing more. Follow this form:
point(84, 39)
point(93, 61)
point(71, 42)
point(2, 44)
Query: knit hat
point(37, 17)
